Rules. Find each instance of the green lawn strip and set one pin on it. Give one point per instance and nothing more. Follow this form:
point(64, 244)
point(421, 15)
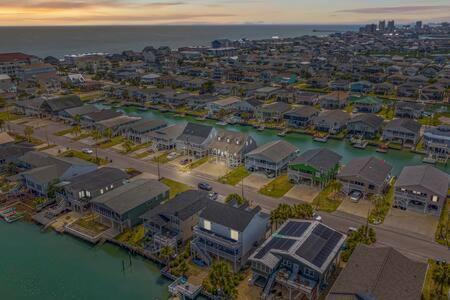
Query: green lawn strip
point(82, 136)
point(20, 138)
point(234, 176)
point(162, 158)
point(137, 147)
point(196, 163)
point(142, 155)
point(443, 226)
point(328, 199)
point(84, 156)
point(5, 116)
point(133, 236)
point(112, 142)
point(277, 187)
point(381, 206)
point(64, 132)
point(387, 113)
point(175, 187)
point(430, 287)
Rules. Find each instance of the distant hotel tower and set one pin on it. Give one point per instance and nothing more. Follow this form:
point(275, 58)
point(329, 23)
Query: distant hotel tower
point(382, 25)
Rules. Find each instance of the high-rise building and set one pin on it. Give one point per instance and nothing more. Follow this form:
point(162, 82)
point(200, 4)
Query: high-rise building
point(418, 25)
point(382, 25)
point(391, 25)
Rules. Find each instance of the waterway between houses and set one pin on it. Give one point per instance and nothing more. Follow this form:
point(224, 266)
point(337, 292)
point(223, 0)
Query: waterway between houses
point(49, 266)
point(398, 159)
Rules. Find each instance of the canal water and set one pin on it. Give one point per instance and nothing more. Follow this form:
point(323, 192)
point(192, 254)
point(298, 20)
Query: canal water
point(35, 265)
point(398, 159)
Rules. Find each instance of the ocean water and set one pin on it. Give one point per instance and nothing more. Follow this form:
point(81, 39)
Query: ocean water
point(60, 41)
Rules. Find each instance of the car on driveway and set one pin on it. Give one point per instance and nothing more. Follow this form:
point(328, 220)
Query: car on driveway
point(185, 161)
point(317, 217)
point(204, 186)
point(87, 151)
point(213, 195)
point(355, 196)
point(172, 155)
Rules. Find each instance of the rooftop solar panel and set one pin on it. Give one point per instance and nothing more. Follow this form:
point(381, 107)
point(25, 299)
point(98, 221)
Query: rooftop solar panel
point(275, 243)
point(294, 228)
point(319, 245)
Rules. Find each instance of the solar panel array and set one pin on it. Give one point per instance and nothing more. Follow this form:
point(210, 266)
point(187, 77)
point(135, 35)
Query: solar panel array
point(275, 243)
point(294, 228)
point(319, 245)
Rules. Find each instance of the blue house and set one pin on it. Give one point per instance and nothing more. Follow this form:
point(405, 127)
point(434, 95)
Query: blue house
point(361, 87)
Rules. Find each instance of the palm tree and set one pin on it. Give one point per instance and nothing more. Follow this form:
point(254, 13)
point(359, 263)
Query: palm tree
point(96, 135)
point(441, 276)
point(166, 253)
point(28, 132)
point(2, 123)
point(222, 280)
point(76, 130)
point(127, 145)
point(108, 133)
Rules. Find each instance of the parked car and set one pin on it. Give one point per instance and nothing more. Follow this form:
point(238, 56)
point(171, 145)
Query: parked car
point(172, 155)
point(270, 174)
point(351, 230)
point(213, 195)
point(355, 196)
point(185, 161)
point(204, 186)
point(87, 151)
point(317, 217)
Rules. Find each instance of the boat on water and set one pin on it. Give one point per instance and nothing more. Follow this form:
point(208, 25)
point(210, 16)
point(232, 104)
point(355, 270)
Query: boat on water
point(200, 118)
point(14, 217)
point(382, 148)
point(282, 134)
point(222, 123)
point(7, 211)
point(261, 128)
point(321, 138)
point(359, 143)
point(142, 108)
point(429, 160)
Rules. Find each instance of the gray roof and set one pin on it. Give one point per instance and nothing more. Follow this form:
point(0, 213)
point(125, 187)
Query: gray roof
point(183, 206)
point(46, 174)
point(231, 141)
point(426, 176)
point(168, 133)
point(280, 107)
point(274, 151)
point(370, 168)
point(410, 105)
point(195, 133)
point(236, 218)
point(333, 116)
point(321, 158)
point(408, 124)
point(303, 111)
point(82, 110)
point(131, 195)
point(97, 179)
point(64, 102)
point(372, 120)
point(379, 273)
point(145, 125)
point(103, 115)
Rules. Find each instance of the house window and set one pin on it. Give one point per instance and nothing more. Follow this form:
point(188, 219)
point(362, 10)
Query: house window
point(101, 191)
point(81, 194)
point(435, 198)
point(234, 235)
point(309, 273)
point(207, 225)
point(112, 186)
point(88, 194)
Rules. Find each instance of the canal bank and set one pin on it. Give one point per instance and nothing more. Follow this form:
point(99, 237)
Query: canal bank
point(398, 159)
point(50, 266)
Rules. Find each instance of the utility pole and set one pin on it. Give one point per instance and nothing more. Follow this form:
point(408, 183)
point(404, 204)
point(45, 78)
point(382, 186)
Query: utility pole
point(159, 171)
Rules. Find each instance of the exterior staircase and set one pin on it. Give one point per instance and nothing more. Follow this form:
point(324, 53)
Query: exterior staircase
point(202, 254)
point(269, 285)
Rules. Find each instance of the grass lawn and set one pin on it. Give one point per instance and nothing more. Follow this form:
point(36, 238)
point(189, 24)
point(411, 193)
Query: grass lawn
point(175, 187)
point(430, 288)
point(142, 155)
point(328, 199)
point(137, 147)
point(234, 176)
point(162, 158)
point(132, 236)
point(387, 113)
point(87, 157)
point(20, 138)
point(382, 206)
point(196, 163)
point(5, 116)
point(64, 132)
point(441, 236)
point(112, 142)
point(277, 187)
point(88, 96)
point(90, 223)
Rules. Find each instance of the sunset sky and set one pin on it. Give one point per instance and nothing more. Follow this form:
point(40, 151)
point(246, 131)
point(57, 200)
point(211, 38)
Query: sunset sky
point(135, 12)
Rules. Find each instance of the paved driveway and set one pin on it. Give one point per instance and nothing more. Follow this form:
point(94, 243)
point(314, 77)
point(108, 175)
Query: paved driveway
point(256, 180)
point(213, 169)
point(359, 209)
point(412, 221)
point(302, 192)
